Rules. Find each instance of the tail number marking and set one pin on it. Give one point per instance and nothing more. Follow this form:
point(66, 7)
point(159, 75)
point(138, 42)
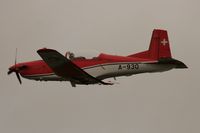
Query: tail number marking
point(128, 66)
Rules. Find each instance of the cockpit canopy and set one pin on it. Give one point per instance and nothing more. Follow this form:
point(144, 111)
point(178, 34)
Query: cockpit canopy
point(81, 55)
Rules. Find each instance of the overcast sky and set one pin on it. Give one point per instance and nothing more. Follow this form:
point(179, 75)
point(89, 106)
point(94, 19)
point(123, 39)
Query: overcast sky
point(148, 103)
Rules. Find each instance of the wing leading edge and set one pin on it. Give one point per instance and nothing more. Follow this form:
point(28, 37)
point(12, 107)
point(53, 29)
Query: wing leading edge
point(65, 68)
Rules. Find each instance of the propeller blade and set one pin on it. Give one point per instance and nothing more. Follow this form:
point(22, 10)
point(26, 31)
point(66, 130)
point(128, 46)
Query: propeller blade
point(10, 71)
point(18, 77)
point(16, 69)
point(16, 57)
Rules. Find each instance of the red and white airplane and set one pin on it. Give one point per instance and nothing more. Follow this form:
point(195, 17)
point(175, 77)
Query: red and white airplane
point(81, 70)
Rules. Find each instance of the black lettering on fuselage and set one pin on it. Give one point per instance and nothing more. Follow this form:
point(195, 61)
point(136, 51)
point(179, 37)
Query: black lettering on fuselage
point(131, 66)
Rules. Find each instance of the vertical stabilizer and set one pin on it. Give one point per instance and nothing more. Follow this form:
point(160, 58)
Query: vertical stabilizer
point(159, 45)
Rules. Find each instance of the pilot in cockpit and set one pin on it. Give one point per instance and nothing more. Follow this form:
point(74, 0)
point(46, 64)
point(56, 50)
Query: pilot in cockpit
point(69, 55)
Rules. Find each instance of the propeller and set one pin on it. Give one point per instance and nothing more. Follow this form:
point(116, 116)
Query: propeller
point(17, 74)
point(16, 69)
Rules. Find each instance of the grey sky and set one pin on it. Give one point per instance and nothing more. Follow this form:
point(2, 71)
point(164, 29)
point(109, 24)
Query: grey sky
point(147, 103)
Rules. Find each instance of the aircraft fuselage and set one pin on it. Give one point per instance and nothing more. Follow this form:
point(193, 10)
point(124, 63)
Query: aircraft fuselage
point(41, 72)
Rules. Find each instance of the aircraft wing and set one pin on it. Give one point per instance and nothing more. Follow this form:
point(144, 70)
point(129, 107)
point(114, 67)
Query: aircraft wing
point(65, 68)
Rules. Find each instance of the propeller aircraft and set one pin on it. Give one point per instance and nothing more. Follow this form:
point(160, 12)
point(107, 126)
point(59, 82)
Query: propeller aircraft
point(81, 70)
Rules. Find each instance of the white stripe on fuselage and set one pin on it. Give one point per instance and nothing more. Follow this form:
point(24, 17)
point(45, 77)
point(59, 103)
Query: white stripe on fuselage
point(108, 70)
point(125, 69)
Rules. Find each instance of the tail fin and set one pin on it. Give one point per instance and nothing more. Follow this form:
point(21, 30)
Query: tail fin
point(159, 46)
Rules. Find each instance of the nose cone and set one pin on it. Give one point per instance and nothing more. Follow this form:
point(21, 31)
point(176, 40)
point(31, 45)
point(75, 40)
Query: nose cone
point(12, 69)
point(16, 68)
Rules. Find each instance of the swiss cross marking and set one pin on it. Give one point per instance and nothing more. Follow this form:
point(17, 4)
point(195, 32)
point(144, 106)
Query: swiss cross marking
point(164, 42)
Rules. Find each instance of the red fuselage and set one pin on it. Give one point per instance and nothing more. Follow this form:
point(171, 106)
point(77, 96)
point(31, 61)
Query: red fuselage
point(39, 67)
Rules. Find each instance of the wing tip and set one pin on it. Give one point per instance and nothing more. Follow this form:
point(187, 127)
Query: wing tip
point(106, 83)
point(45, 50)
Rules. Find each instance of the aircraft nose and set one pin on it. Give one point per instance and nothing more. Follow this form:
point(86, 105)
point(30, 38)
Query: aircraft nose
point(12, 69)
point(17, 69)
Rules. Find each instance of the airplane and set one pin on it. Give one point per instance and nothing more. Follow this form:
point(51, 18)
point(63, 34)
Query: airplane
point(81, 70)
